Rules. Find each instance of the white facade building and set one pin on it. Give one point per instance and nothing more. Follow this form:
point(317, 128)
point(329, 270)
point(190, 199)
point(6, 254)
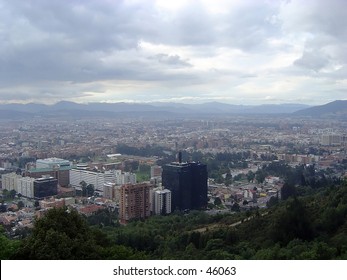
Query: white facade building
point(98, 179)
point(10, 181)
point(26, 186)
point(162, 202)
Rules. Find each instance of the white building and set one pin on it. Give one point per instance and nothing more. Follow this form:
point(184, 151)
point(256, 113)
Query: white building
point(10, 181)
point(98, 179)
point(52, 162)
point(26, 186)
point(162, 202)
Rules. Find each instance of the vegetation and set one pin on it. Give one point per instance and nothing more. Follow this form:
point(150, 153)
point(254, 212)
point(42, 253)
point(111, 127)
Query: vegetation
point(64, 234)
point(7, 247)
point(143, 173)
point(146, 151)
point(310, 226)
point(309, 222)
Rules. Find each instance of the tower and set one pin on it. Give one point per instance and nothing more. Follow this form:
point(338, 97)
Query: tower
point(187, 183)
point(134, 202)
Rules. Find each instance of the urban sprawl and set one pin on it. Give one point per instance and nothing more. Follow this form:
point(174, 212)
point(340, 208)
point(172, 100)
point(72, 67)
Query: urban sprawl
point(143, 167)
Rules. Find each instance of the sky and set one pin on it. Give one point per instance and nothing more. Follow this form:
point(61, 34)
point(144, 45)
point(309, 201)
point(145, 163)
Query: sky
point(247, 52)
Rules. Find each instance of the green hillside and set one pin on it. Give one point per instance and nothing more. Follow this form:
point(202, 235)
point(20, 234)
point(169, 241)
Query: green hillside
point(309, 227)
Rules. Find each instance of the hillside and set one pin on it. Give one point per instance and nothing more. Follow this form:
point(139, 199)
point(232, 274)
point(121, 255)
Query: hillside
point(336, 108)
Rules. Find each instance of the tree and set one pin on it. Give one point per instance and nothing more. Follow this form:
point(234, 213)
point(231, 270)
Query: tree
point(60, 234)
point(250, 176)
point(12, 194)
point(287, 191)
point(260, 176)
point(235, 207)
point(272, 201)
point(292, 222)
point(228, 178)
point(90, 190)
point(20, 204)
point(217, 201)
point(5, 193)
point(7, 247)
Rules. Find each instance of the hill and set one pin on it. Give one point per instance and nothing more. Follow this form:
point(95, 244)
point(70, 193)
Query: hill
point(121, 109)
point(337, 108)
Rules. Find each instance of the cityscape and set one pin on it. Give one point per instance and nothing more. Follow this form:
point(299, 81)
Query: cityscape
point(176, 131)
point(133, 169)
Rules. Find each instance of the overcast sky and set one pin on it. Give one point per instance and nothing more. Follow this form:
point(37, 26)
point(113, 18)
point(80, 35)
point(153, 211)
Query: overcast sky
point(240, 52)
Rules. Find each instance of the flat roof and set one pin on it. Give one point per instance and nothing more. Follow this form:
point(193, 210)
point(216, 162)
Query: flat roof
point(61, 168)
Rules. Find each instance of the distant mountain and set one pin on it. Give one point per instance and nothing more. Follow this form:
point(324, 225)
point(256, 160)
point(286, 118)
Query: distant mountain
point(276, 108)
point(332, 109)
point(224, 108)
point(77, 110)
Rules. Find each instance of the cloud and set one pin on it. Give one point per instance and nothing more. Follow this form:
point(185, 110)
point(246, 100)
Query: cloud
point(170, 59)
point(312, 60)
point(90, 50)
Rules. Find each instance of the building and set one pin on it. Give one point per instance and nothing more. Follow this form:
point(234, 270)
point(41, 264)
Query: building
point(59, 173)
point(54, 167)
point(98, 179)
point(331, 139)
point(44, 187)
point(10, 181)
point(25, 186)
point(156, 171)
point(162, 202)
point(52, 163)
point(188, 184)
point(134, 202)
point(112, 192)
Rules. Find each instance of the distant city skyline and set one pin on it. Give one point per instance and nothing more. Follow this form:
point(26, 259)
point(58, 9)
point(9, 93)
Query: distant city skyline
point(238, 52)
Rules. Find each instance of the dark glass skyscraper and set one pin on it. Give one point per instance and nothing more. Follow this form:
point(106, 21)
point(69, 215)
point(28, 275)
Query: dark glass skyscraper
point(187, 183)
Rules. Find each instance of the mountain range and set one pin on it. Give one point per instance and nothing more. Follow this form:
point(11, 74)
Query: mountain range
point(71, 109)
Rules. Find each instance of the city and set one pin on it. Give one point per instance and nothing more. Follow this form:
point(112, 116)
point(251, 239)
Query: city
point(128, 167)
point(173, 131)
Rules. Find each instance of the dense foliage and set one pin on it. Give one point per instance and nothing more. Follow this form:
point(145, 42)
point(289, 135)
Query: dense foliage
point(64, 234)
point(312, 227)
point(302, 227)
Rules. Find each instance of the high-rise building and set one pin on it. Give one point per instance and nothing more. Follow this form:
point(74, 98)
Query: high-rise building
point(162, 202)
point(10, 181)
point(188, 184)
point(26, 186)
point(134, 202)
